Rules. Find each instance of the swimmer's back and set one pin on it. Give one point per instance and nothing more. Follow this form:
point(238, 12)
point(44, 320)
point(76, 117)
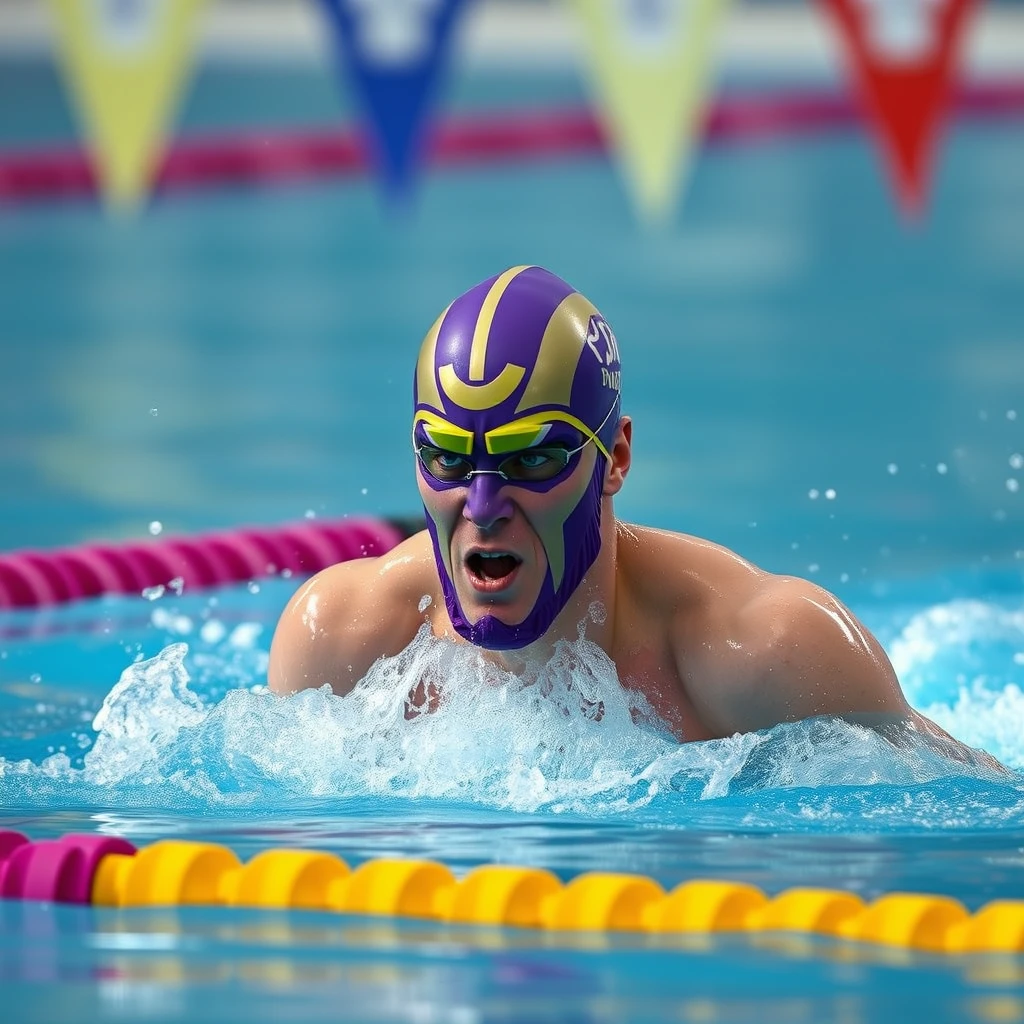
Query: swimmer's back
point(349, 615)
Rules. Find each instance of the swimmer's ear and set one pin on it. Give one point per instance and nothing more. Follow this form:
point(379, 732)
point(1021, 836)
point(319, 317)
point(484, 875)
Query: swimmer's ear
point(621, 453)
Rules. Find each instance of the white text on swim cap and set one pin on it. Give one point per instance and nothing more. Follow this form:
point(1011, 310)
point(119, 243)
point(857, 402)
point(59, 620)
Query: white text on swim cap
point(600, 335)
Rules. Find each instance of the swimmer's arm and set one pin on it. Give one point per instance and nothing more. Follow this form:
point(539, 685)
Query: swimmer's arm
point(794, 651)
point(336, 626)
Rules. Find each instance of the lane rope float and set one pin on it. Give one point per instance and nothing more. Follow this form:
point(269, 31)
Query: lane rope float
point(111, 872)
point(37, 578)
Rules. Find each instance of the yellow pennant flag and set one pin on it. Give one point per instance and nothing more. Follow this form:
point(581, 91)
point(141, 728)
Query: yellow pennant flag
point(649, 65)
point(126, 62)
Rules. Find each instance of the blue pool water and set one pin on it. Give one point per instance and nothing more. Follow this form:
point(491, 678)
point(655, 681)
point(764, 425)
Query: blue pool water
point(820, 387)
point(189, 744)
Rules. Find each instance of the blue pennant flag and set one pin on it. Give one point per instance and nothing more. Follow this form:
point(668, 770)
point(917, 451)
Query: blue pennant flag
point(394, 51)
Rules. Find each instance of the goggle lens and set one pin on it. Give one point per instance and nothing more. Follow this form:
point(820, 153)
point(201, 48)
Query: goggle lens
point(532, 465)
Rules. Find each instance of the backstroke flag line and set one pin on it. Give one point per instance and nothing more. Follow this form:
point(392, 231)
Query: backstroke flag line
point(649, 64)
point(904, 54)
point(394, 52)
point(126, 62)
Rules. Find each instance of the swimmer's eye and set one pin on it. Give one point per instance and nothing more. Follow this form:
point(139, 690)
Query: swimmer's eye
point(535, 464)
point(532, 465)
point(444, 465)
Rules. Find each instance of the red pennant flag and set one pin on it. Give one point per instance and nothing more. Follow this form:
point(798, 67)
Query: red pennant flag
point(903, 54)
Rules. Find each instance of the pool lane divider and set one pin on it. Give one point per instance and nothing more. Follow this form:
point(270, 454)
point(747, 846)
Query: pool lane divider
point(110, 872)
point(489, 138)
point(36, 578)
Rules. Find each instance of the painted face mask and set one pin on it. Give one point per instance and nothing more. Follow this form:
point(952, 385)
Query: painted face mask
point(514, 380)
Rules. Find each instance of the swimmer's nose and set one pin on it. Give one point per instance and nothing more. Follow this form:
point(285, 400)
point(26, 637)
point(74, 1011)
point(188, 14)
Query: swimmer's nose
point(487, 502)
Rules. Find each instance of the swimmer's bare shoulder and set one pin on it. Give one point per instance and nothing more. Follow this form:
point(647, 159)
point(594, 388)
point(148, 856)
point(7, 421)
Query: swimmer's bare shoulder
point(753, 649)
point(349, 615)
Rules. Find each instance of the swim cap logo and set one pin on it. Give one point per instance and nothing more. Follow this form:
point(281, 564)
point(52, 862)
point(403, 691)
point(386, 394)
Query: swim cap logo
point(601, 341)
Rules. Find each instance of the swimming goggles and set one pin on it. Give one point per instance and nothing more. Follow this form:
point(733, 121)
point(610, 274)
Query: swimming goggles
point(536, 464)
point(532, 465)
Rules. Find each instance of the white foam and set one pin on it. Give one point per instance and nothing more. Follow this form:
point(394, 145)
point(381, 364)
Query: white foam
point(141, 717)
point(571, 739)
point(959, 663)
point(199, 728)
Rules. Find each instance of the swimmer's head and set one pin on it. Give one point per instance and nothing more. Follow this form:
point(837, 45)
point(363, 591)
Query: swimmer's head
point(516, 387)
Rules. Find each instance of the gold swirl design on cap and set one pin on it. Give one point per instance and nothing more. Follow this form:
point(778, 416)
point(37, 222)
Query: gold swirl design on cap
point(559, 354)
point(484, 396)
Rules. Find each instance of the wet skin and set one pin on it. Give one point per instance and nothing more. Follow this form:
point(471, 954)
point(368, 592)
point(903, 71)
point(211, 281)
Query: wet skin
point(716, 645)
point(492, 516)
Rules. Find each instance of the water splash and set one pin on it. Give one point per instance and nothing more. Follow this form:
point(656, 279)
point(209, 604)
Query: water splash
point(962, 664)
point(570, 741)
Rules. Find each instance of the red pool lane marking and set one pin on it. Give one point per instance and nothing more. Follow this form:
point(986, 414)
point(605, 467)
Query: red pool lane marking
point(532, 135)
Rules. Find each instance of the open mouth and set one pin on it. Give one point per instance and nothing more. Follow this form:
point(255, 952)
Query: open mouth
point(492, 569)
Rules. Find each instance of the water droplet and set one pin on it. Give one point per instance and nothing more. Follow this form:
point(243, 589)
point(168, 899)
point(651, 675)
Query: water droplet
point(844, 577)
point(310, 514)
point(813, 568)
point(253, 587)
point(153, 593)
point(425, 603)
point(830, 494)
point(1017, 461)
point(892, 468)
point(35, 678)
point(213, 631)
point(813, 493)
point(365, 490)
point(154, 412)
point(597, 612)
point(1012, 485)
point(942, 469)
point(1011, 414)
point(177, 585)
point(156, 527)
point(245, 635)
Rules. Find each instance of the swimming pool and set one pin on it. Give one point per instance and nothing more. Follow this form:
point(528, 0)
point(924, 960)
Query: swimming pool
point(813, 384)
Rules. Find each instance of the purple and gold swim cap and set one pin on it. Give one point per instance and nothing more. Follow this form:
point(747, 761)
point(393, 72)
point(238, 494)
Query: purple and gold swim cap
point(520, 360)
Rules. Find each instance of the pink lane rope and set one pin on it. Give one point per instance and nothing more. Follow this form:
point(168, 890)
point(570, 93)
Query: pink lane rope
point(30, 579)
point(54, 870)
point(494, 137)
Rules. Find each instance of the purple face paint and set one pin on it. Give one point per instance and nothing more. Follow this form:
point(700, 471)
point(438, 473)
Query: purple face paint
point(519, 361)
point(487, 501)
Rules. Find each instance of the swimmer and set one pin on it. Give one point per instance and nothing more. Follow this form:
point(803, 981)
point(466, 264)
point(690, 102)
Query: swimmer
point(520, 447)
